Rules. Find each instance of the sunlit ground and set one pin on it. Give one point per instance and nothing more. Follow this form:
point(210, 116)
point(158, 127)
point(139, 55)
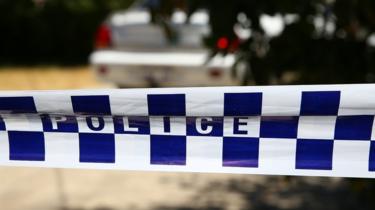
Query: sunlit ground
point(48, 77)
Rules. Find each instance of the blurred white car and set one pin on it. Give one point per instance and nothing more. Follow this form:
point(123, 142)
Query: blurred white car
point(133, 52)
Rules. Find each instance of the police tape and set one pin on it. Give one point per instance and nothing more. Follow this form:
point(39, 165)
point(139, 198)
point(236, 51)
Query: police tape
point(321, 130)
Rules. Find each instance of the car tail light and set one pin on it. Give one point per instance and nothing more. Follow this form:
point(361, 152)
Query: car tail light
point(222, 43)
point(103, 37)
point(234, 45)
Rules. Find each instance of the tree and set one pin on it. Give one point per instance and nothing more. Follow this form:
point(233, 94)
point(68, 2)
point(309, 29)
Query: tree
point(51, 31)
point(326, 43)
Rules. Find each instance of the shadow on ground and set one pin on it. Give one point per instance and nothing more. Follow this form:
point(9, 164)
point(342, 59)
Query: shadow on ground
point(271, 192)
point(274, 192)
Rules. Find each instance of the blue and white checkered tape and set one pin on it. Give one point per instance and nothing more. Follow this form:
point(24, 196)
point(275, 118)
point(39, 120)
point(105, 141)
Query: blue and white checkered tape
point(322, 130)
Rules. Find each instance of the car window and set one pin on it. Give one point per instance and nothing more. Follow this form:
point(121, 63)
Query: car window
point(134, 29)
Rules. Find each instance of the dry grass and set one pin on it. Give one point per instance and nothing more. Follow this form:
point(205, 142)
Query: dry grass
point(43, 78)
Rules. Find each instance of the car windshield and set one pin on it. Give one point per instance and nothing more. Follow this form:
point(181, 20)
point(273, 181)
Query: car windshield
point(159, 31)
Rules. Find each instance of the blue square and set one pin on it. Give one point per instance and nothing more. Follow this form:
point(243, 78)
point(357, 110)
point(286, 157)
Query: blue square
point(240, 152)
point(320, 103)
point(141, 124)
point(314, 154)
point(17, 104)
point(242, 104)
point(204, 126)
point(59, 123)
point(96, 148)
point(354, 127)
point(371, 166)
point(168, 150)
point(26, 145)
point(2, 124)
point(279, 127)
point(166, 105)
point(91, 105)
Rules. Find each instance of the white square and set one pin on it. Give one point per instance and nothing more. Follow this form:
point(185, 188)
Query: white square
point(354, 101)
point(281, 101)
point(277, 156)
point(53, 102)
point(316, 127)
point(132, 151)
point(204, 152)
point(130, 102)
point(351, 157)
point(177, 126)
point(4, 147)
point(248, 125)
point(22, 122)
point(101, 124)
point(62, 149)
point(205, 102)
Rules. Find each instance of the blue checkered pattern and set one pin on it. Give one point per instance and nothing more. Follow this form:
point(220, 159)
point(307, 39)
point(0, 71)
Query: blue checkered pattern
point(245, 135)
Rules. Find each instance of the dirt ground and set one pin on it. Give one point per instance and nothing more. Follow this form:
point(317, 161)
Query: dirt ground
point(50, 189)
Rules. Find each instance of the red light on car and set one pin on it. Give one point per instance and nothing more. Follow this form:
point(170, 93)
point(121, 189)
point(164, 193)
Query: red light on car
point(222, 43)
point(234, 45)
point(103, 37)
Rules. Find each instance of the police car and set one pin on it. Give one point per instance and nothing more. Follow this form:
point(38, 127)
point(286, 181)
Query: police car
point(131, 51)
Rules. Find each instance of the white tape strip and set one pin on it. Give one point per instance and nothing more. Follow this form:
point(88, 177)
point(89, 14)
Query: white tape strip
point(289, 130)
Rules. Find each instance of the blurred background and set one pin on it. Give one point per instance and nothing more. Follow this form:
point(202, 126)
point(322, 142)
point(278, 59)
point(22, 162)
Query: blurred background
point(62, 44)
